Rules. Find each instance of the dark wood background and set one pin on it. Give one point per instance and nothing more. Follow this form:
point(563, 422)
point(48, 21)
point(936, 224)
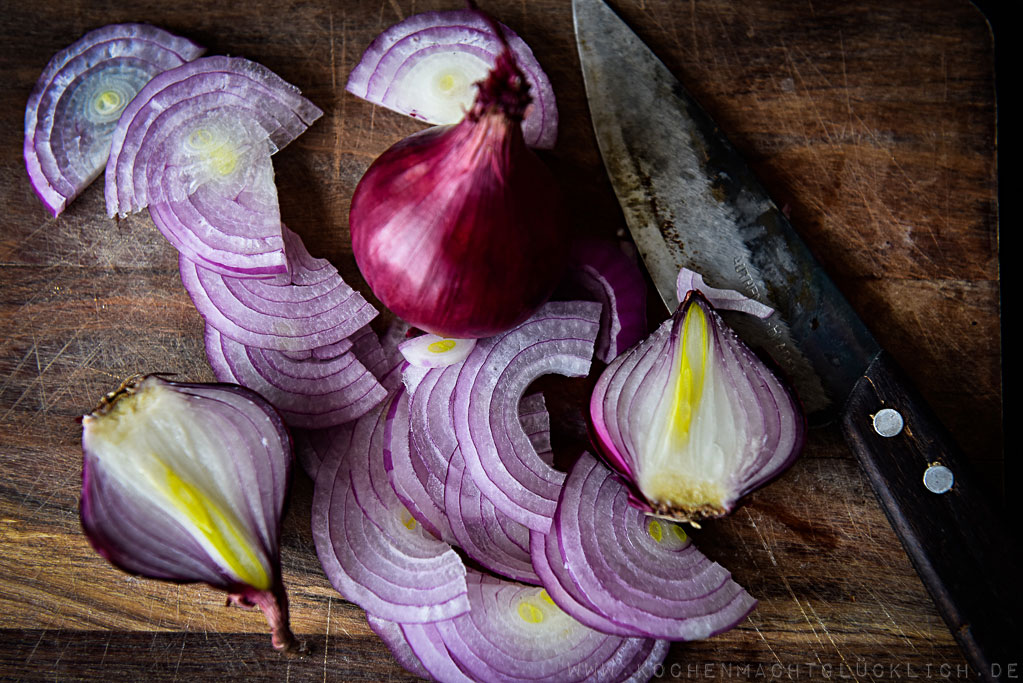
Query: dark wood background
point(872, 121)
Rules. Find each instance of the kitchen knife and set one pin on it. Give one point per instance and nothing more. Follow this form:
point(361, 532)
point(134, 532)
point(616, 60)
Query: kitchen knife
point(690, 200)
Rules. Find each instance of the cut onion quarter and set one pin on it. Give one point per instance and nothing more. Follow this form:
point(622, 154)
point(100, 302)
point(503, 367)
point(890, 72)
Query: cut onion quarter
point(614, 568)
point(517, 633)
point(78, 99)
point(693, 419)
point(194, 146)
point(309, 393)
point(373, 551)
point(498, 455)
point(427, 66)
point(186, 482)
point(305, 309)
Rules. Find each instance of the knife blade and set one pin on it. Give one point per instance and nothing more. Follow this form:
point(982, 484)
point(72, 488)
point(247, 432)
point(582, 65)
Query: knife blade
point(690, 200)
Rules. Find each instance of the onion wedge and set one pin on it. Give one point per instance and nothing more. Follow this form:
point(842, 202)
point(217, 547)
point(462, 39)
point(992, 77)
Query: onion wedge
point(693, 419)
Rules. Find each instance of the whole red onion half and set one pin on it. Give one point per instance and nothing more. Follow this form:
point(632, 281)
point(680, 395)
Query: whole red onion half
point(460, 229)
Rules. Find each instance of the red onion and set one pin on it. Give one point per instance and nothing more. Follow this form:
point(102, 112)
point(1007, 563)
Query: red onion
point(617, 570)
point(431, 351)
point(75, 105)
point(460, 229)
point(692, 418)
point(426, 65)
point(194, 146)
point(186, 482)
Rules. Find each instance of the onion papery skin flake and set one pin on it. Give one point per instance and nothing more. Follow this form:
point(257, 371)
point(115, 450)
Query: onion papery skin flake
point(461, 230)
point(308, 308)
point(310, 393)
point(373, 551)
point(76, 103)
point(498, 454)
point(516, 633)
point(195, 146)
point(693, 419)
point(427, 65)
point(607, 562)
point(187, 482)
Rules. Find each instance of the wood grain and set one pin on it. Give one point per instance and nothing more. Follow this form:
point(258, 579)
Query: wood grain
point(871, 122)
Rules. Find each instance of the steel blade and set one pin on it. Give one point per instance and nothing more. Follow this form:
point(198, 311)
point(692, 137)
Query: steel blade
point(690, 200)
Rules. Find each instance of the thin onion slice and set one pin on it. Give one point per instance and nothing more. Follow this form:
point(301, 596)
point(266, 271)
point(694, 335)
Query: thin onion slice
point(721, 299)
point(602, 271)
point(427, 65)
point(194, 146)
point(78, 99)
point(432, 351)
point(390, 632)
point(516, 633)
point(607, 560)
point(310, 393)
point(693, 419)
point(186, 482)
point(372, 550)
point(307, 308)
point(498, 455)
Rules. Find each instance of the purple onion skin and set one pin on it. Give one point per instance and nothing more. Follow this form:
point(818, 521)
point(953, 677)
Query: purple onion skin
point(460, 230)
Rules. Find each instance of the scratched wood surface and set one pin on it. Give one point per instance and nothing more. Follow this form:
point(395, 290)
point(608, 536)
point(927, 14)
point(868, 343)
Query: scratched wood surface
point(872, 122)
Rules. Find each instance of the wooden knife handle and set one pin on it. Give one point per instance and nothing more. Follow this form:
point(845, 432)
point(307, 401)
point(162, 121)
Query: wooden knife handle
point(957, 540)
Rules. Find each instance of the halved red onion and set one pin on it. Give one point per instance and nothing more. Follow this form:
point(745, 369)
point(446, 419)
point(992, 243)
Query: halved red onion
point(515, 632)
point(427, 66)
point(307, 308)
point(371, 548)
point(491, 381)
point(603, 271)
point(693, 418)
point(186, 482)
point(194, 146)
point(310, 393)
point(75, 105)
point(607, 563)
point(721, 299)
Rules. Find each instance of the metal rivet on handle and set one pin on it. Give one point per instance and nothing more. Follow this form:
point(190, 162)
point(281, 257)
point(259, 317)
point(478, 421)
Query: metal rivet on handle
point(938, 478)
point(888, 422)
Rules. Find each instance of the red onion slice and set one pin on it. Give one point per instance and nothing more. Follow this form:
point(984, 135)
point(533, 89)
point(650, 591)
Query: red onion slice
point(432, 351)
point(311, 393)
point(313, 446)
point(639, 572)
point(693, 419)
point(372, 550)
point(74, 107)
point(427, 65)
point(602, 271)
point(515, 633)
point(195, 147)
point(308, 308)
point(491, 381)
point(390, 632)
point(721, 299)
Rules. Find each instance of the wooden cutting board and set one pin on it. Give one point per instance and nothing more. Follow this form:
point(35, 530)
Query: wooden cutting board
point(872, 122)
